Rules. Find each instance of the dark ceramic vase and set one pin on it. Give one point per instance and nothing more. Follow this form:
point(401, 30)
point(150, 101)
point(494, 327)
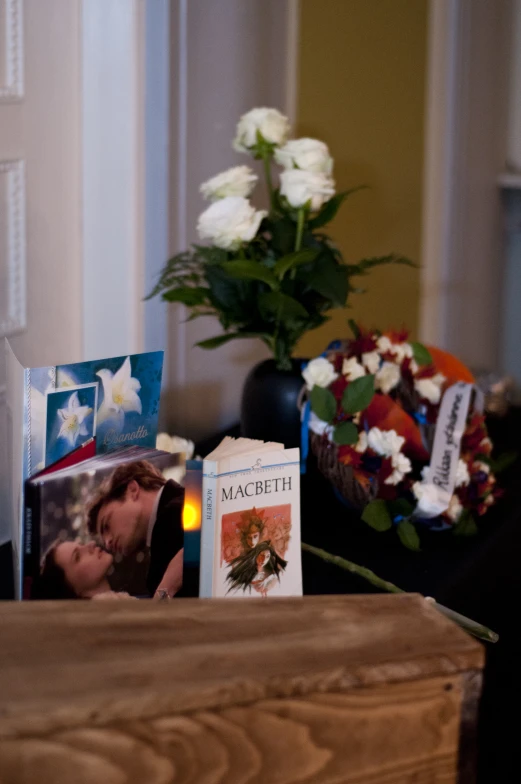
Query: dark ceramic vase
point(269, 407)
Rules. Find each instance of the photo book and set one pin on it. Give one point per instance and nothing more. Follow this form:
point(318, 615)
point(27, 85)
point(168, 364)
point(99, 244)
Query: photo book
point(54, 412)
point(250, 535)
point(111, 525)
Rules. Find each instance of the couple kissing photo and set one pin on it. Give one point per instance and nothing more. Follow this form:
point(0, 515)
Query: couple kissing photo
point(121, 537)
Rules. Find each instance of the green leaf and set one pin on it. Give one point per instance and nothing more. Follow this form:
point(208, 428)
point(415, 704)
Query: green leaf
point(377, 261)
point(345, 434)
point(466, 525)
point(245, 269)
point(421, 354)
point(292, 260)
point(400, 507)
point(323, 404)
point(282, 306)
point(354, 327)
point(186, 295)
point(376, 514)
point(331, 207)
point(502, 462)
point(408, 535)
point(358, 394)
point(220, 340)
point(330, 279)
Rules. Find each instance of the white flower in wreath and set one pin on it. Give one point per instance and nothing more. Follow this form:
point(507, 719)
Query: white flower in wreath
point(430, 388)
point(229, 222)
point(352, 369)
point(462, 474)
point(302, 188)
point(237, 181)
point(388, 377)
point(371, 360)
point(401, 466)
point(318, 426)
point(427, 496)
point(455, 509)
point(271, 124)
point(120, 394)
point(480, 466)
point(73, 420)
point(307, 154)
point(399, 350)
point(362, 443)
point(319, 373)
point(384, 442)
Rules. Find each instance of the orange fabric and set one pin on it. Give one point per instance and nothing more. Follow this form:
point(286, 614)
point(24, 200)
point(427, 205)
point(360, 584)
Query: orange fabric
point(452, 368)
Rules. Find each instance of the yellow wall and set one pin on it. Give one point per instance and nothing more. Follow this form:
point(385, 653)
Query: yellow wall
point(361, 89)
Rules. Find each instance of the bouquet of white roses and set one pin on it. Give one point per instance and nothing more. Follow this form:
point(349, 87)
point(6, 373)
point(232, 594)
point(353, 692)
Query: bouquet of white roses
point(267, 274)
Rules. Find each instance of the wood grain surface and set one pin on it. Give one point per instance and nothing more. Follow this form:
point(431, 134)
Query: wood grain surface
point(323, 689)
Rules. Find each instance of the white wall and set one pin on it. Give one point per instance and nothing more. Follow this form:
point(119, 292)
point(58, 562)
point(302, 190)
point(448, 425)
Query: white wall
point(227, 57)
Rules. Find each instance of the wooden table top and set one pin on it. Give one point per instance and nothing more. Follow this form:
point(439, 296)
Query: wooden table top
point(64, 664)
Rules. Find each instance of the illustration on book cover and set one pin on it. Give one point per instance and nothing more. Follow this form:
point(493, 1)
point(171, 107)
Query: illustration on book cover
point(253, 546)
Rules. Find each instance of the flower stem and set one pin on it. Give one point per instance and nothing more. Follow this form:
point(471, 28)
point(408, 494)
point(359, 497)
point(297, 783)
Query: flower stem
point(300, 228)
point(350, 566)
point(468, 625)
point(267, 171)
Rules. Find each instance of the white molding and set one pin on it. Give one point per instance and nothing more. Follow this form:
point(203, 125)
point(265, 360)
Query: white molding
point(113, 120)
point(12, 173)
point(13, 87)
point(438, 175)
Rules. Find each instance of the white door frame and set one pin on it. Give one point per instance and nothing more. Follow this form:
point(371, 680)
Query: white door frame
point(113, 181)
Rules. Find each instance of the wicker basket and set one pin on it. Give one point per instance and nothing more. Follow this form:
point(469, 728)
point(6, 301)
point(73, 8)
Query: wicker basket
point(341, 476)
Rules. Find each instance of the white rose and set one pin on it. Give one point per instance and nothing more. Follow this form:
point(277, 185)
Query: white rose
point(229, 222)
point(270, 123)
point(401, 466)
point(371, 360)
point(237, 181)
point(300, 187)
point(384, 442)
point(164, 442)
point(455, 509)
point(401, 351)
point(430, 388)
point(307, 154)
point(317, 425)
point(398, 350)
point(462, 474)
point(428, 500)
point(387, 377)
point(175, 444)
point(383, 344)
point(319, 373)
point(352, 369)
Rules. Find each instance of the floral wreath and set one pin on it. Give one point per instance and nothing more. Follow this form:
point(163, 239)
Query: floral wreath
point(372, 407)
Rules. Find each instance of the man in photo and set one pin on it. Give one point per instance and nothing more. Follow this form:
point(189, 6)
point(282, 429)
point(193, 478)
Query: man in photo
point(136, 505)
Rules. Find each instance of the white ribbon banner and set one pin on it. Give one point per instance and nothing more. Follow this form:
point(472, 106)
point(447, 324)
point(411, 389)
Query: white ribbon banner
point(440, 479)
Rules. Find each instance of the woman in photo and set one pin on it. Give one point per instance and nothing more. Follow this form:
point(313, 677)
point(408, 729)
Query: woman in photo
point(259, 568)
point(72, 570)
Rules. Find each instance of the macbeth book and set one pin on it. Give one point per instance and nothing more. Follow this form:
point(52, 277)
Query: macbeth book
point(250, 536)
